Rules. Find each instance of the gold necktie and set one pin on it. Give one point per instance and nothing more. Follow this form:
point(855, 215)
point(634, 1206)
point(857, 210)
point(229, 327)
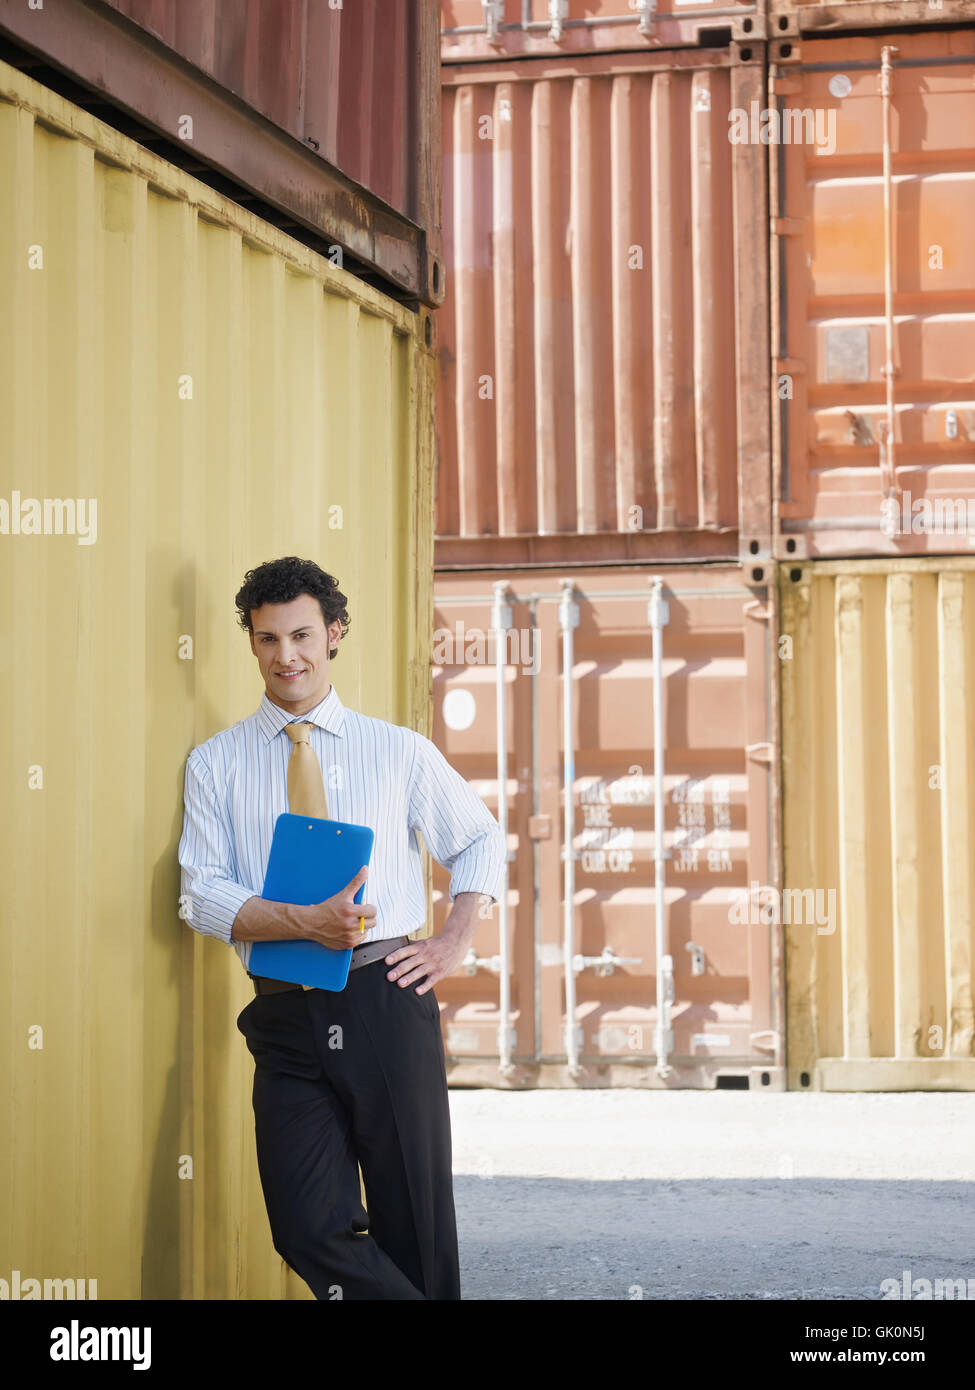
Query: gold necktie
point(306, 786)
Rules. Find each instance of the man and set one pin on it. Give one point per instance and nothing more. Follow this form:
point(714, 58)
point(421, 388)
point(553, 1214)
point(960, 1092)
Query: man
point(355, 1076)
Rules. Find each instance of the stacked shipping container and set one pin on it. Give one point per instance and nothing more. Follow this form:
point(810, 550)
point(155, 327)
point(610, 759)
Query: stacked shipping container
point(874, 432)
point(874, 259)
point(605, 326)
point(708, 316)
point(878, 757)
point(586, 741)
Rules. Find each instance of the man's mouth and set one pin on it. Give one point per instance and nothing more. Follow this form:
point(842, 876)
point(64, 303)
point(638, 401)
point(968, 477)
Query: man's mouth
point(290, 675)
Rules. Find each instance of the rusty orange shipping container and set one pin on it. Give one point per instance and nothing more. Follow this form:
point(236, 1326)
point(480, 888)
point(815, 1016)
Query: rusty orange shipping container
point(612, 708)
point(604, 335)
point(321, 118)
point(472, 30)
point(873, 200)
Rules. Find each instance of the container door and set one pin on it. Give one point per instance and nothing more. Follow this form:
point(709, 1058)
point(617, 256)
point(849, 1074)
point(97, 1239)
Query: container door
point(720, 897)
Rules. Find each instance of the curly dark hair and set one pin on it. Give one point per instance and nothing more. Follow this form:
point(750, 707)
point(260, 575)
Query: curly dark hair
point(280, 581)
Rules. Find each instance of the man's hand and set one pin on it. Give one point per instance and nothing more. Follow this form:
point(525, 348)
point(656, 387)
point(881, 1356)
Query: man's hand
point(335, 922)
point(439, 955)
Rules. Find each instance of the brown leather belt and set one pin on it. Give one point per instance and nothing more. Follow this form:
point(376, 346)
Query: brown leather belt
point(361, 955)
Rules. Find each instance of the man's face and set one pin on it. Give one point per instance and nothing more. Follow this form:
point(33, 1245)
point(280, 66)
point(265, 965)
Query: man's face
point(291, 642)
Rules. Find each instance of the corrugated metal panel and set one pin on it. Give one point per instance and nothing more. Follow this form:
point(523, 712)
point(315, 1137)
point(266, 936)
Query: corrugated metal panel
point(342, 79)
point(877, 761)
point(472, 30)
point(720, 813)
point(831, 317)
point(223, 395)
point(604, 389)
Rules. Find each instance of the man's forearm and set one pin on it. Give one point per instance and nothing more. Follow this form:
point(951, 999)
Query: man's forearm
point(462, 919)
point(260, 919)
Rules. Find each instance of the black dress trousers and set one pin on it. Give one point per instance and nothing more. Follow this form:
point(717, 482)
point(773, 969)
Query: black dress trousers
point(356, 1076)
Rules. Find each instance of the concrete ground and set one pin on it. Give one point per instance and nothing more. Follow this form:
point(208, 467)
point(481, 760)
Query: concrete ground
point(711, 1195)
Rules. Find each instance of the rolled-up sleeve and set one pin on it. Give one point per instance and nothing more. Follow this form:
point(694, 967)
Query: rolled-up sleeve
point(211, 897)
point(457, 827)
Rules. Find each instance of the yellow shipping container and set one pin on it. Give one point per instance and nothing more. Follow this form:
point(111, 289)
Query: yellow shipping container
point(878, 684)
point(185, 393)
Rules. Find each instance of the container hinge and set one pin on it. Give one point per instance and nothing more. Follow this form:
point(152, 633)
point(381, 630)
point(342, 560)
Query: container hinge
point(658, 612)
point(759, 752)
point(647, 10)
point(558, 13)
point(789, 366)
point(568, 608)
point(787, 226)
point(501, 617)
point(493, 15)
point(758, 610)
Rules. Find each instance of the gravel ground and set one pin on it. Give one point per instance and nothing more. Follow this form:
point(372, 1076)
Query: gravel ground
point(711, 1195)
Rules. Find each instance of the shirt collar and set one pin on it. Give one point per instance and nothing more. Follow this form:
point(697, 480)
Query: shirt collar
point(328, 715)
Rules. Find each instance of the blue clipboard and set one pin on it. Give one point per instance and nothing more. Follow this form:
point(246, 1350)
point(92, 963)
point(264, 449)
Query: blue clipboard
point(310, 860)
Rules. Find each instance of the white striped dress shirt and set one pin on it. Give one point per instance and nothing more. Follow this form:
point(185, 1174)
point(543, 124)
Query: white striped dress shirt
point(378, 774)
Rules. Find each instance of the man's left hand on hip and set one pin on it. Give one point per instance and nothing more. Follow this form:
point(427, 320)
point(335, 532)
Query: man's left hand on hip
point(434, 957)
